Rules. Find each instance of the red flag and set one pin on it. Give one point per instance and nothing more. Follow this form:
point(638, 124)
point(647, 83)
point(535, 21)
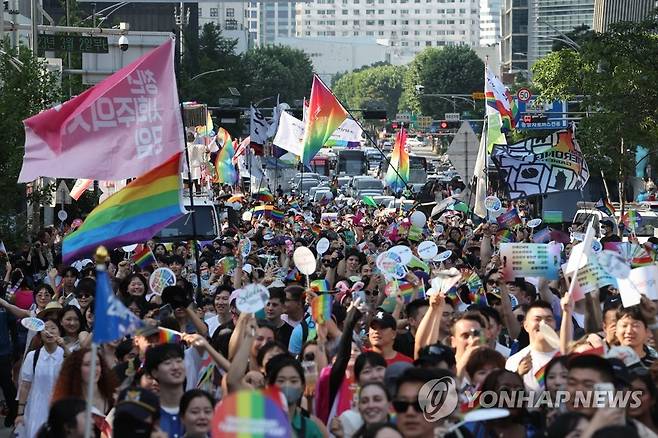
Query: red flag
point(121, 128)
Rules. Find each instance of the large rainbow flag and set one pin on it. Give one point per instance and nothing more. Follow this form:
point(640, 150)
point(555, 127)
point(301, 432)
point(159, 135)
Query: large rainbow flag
point(133, 214)
point(399, 162)
point(226, 173)
point(325, 115)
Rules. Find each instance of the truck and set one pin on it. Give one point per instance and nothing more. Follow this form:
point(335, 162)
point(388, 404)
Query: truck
point(352, 162)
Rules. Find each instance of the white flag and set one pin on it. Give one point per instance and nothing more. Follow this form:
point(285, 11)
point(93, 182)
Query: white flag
point(259, 127)
point(290, 134)
point(276, 115)
point(480, 176)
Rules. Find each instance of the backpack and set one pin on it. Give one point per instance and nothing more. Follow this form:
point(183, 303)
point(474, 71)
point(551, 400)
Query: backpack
point(35, 359)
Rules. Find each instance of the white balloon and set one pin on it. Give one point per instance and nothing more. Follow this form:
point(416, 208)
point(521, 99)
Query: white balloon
point(418, 218)
point(322, 246)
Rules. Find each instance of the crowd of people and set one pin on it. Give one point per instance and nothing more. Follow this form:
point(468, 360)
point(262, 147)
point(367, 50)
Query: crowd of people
point(357, 374)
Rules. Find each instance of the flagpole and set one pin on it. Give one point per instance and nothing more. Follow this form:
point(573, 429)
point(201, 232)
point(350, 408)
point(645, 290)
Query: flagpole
point(406, 186)
point(101, 256)
point(191, 193)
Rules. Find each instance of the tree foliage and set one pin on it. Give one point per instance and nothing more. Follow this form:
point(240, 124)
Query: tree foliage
point(277, 70)
point(451, 70)
point(374, 88)
point(26, 88)
point(616, 72)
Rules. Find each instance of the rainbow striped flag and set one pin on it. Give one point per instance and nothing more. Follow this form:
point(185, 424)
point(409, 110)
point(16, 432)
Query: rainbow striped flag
point(319, 286)
point(204, 379)
point(321, 308)
point(168, 336)
point(224, 168)
point(252, 414)
point(277, 215)
point(325, 115)
point(399, 162)
point(143, 257)
point(264, 196)
point(631, 220)
point(227, 264)
point(133, 214)
point(505, 236)
point(294, 275)
point(407, 291)
point(606, 207)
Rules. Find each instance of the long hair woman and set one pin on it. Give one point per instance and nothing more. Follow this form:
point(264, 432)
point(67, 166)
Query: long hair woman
point(73, 380)
point(65, 420)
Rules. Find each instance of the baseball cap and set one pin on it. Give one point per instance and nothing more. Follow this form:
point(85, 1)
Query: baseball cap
point(607, 223)
point(620, 372)
point(384, 320)
point(436, 353)
point(139, 403)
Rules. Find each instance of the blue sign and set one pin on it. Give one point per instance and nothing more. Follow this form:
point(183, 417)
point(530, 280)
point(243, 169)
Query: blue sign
point(542, 116)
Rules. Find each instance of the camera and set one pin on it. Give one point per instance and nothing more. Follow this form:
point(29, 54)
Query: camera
point(123, 43)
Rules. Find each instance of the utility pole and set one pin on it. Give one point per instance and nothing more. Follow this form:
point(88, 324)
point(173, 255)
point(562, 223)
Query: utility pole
point(34, 10)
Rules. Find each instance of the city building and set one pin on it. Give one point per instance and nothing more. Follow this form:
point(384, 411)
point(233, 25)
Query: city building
point(549, 19)
point(607, 12)
point(270, 20)
point(490, 33)
point(514, 38)
point(339, 54)
point(231, 17)
point(405, 26)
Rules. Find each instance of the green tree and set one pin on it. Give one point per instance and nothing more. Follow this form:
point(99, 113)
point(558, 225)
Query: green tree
point(214, 52)
point(616, 73)
point(277, 70)
point(374, 87)
point(26, 88)
point(451, 70)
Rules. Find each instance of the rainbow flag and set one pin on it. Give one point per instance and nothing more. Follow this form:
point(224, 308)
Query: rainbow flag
point(264, 196)
point(204, 379)
point(606, 207)
point(320, 286)
point(143, 257)
point(325, 115)
point(407, 291)
point(227, 264)
point(540, 374)
point(252, 414)
point(294, 275)
point(226, 173)
point(500, 100)
point(261, 210)
point(277, 215)
point(205, 130)
point(168, 336)
point(321, 308)
point(631, 220)
point(476, 293)
point(399, 162)
point(505, 236)
point(133, 214)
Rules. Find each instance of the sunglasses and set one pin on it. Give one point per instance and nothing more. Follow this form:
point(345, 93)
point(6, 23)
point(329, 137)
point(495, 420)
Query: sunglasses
point(401, 406)
point(84, 295)
point(370, 292)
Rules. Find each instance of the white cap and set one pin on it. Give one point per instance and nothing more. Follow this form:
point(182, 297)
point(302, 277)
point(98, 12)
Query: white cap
point(248, 268)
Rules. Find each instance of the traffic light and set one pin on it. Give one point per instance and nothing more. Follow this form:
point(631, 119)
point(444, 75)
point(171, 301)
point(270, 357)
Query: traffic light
point(374, 114)
point(447, 125)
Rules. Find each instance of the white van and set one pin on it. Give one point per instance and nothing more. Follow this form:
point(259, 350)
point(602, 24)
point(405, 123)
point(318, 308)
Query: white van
point(207, 222)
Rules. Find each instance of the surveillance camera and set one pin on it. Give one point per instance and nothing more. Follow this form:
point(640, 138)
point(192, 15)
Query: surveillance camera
point(420, 88)
point(123, 43)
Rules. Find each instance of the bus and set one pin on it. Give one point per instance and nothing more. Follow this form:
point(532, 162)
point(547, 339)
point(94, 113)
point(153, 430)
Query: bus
point(352, 162)
point(417, 169)
point(321, 164)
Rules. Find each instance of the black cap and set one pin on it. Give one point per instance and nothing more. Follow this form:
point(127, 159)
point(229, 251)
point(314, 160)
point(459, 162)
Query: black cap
point(434, 354)
point(620, 372)
point(607, 223)
point(384, 320)
point(139, 403)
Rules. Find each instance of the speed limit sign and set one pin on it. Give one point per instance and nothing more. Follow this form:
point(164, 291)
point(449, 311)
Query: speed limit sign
point(524, 94)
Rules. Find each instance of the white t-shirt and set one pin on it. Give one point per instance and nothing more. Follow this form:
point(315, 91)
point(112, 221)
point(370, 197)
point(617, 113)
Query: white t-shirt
point(539, 359)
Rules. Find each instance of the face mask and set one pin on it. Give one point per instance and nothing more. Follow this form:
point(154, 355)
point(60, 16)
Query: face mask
point(292, 394)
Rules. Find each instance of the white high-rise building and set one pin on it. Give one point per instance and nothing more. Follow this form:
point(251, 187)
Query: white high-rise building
point(269, 20)
point(231, 17)
point(406, 26)
point(490, 11)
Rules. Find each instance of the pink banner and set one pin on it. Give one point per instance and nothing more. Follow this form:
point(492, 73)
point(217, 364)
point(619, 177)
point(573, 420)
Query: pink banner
point(79, 187)
point(121, 128)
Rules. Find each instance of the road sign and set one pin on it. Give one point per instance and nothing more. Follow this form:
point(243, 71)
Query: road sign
point(424, 122)
point(74, 43)
point(452, 117)
point(63, 194)
point(403, 117)
point(524, 95)
point(549, 116)
point(478, 95)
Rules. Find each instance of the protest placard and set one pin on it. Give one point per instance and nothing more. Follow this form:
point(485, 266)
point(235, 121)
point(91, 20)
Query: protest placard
point(530, 260)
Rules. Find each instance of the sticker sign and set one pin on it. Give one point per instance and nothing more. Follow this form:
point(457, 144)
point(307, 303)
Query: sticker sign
point(160, 279)
point(322, 246)
point(403, 252)
point(252, 298)
point(530, 260)
point(492, 203)
point(427, 250)
point(34, 324)
point(534, 223)
point(304, 260)
point(445, 255)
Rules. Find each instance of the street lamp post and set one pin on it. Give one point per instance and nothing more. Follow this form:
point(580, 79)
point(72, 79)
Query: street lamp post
point(568, 41)
point(206, 73)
